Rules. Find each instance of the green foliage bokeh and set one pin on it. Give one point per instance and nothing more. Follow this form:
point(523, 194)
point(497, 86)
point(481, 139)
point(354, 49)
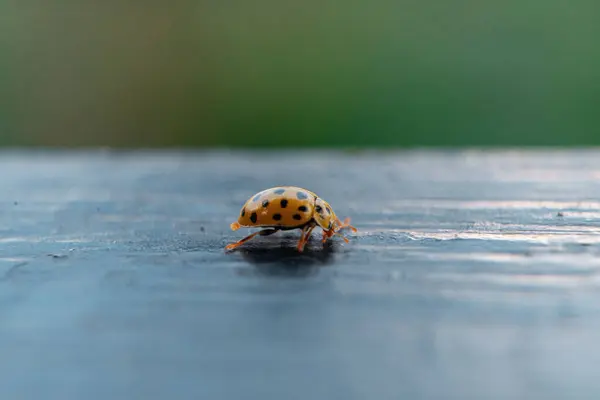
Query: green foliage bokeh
point(267, 73)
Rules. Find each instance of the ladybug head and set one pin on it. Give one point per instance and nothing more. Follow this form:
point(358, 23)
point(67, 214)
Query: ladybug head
point(324, 215)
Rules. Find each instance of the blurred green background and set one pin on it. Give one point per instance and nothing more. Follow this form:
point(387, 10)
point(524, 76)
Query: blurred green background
point(310, 73)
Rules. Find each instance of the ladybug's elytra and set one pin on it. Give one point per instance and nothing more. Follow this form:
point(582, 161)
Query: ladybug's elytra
point(287, 208)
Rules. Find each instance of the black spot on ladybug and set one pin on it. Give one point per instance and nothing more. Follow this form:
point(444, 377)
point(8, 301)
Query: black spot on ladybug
point(302, 208)
point(276, 217)
point(301, 195)
point(297, 217)
point(319, 209)
point(243, 212)
point(253, 217)
point(284, 203)
point(265, 203)
point(279, 191)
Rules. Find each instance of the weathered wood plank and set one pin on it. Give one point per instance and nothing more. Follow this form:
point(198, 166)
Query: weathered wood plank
point(473, 275)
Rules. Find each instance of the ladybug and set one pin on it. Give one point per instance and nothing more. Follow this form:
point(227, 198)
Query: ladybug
point(286, 208)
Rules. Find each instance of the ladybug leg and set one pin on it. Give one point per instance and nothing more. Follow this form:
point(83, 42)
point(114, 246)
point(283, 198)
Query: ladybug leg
point(328, 234)
point(346, 224)
point(336, 231)
point(264, 232)
point(235, 226)
point(306, 231)
point(343, 237)
point(301, 241)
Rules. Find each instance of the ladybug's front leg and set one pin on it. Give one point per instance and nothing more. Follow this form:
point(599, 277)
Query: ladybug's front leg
point(327, 235)
point(346, 224)
point(331, 232)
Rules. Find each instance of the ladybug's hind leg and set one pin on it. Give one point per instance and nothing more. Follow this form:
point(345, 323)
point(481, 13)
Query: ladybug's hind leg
point(264, 232)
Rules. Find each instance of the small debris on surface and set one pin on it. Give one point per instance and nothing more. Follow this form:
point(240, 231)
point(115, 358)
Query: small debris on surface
point(16, 203)
point(201, 229)
point(57, 256)
point(560, 214)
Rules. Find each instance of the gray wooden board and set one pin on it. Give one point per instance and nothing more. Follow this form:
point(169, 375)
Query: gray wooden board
point(474, 275)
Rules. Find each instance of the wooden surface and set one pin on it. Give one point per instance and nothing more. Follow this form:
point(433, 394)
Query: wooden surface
point(473, 276)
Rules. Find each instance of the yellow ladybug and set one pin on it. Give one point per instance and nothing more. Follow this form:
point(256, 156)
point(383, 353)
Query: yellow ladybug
point(285, 208)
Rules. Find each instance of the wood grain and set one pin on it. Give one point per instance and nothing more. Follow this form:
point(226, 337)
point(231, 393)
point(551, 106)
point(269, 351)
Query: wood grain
point(473, 275)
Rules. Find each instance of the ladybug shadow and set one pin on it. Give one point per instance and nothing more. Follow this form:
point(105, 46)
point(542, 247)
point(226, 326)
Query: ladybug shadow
point(286, 260)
